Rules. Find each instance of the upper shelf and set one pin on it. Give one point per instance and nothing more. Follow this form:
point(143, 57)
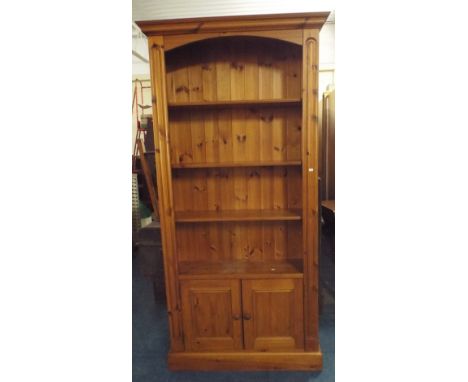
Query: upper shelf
point(237, 215)
point(236, 164)
point(236, 103)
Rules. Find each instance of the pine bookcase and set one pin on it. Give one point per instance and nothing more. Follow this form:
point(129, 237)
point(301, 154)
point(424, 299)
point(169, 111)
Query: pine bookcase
point(236, 138)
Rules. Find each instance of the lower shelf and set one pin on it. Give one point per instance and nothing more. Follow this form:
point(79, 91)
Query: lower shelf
point(240, 269)
point(248, 361)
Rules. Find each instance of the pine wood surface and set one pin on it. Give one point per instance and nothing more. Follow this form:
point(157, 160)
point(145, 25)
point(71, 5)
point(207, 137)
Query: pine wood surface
point(164, 184)
point(234, 23)
point(242, 188)
point(250, 241)
point(310, 186)
point(245, 361)
point(175, 41)
point(234, 103)
point(237, 215)
point(273, 314)
point(212, 314)
point(291, 268)
point(236, 164)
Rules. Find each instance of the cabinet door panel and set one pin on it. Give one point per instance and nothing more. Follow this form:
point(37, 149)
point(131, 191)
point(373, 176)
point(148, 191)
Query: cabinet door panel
point(273, 314)
point(211, 313)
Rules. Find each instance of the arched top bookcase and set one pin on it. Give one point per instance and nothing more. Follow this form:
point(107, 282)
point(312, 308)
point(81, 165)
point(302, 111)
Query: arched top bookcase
point(236, 140)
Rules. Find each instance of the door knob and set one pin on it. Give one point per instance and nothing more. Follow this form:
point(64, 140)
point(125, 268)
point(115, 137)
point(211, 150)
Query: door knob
point(247, 316)
point(236, 317)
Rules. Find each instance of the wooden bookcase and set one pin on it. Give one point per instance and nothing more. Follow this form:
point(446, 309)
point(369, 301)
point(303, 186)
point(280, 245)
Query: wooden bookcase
point(236, 137)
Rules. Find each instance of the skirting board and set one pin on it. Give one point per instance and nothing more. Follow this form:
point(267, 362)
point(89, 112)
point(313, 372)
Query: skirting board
point(246, 361)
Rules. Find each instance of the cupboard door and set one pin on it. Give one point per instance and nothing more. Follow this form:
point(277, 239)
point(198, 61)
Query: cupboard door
point(273, 314)
point(211, 315)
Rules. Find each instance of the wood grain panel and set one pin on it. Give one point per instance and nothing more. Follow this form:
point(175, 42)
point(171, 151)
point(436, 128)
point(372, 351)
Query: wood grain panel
point(293, 36)
point(292, 268)
point(256, 241)
point(279, 70)
point(240, 135)
point(234, 68)
point(225, 135)
point(252, 361)
point(223, 71)
point(272, 312)
point(197, 135)
point(211, 313)
point(237, 77)
point(244, 188)
point(180, 80)
point(265, 70)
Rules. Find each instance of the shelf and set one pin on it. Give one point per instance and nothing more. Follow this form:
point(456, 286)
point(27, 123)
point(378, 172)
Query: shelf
point(236, 103)
point(236, 215)
point(241, 269)
point(238, 164)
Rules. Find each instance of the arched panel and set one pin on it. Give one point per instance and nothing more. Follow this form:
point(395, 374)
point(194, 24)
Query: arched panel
point(234, 68)
point(175, 41)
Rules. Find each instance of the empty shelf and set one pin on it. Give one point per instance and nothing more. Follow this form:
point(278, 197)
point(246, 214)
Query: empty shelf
point(236, 103)
point(244, 269)
point(238, 164)
point(237, 215)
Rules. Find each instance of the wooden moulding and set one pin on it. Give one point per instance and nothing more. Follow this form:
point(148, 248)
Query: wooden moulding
point(234, 23)
point(246, 361)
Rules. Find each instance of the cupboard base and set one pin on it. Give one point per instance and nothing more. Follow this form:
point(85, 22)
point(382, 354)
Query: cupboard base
point(247, 361)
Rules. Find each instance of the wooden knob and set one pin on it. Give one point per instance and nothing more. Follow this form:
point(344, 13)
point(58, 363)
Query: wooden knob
point(236, 317)
point(247, 316)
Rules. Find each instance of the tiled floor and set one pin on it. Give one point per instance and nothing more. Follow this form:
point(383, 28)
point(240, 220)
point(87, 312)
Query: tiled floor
point(150, 345)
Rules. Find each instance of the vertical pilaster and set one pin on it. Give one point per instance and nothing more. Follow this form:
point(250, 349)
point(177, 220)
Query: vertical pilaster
point(164, 183)
point(310, 148)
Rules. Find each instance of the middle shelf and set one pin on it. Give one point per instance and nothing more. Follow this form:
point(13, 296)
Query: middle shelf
point(259, 163)
point(237, 215)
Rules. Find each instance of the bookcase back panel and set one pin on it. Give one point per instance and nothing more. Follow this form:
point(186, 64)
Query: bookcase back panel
point(234, 68)
point(241, 188)
point(246, 241)
point(250, 133)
